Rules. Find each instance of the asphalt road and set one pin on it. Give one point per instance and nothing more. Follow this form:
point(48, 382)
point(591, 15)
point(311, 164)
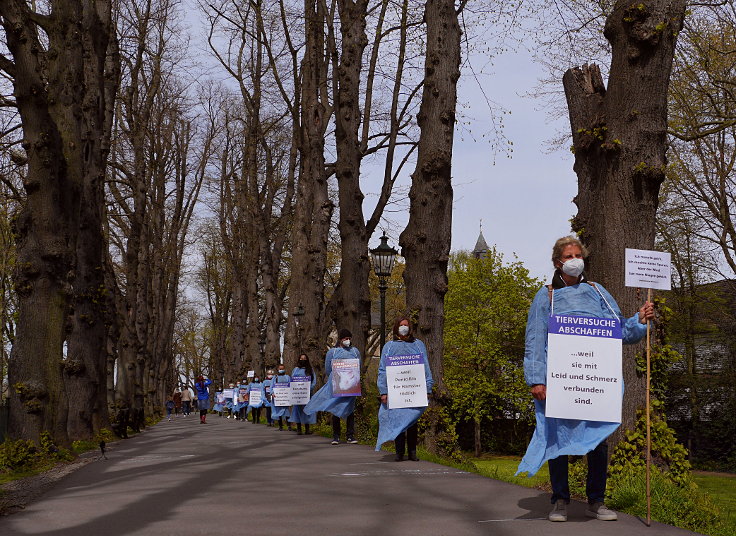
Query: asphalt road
point(226, 477)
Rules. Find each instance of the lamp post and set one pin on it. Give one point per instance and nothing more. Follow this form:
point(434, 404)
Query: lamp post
point(262, 349)
point(383, 263)
point(298, 314)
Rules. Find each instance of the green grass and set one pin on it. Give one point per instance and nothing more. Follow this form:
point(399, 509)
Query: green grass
point(504, 467)
point(722, 489)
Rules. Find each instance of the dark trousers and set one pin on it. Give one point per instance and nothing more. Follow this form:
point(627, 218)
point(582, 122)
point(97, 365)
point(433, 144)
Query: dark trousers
point(256, 415)
point(187, 407)
point(350, 432)
point(268, 415)
point(409, 436)
point(595, 486)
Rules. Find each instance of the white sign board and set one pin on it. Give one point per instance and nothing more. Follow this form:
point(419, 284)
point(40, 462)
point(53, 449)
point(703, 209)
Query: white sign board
point(255, 397)
point(584, 375)
point(251, 374)
point(300, 390)
point(345, 377)
point(228, 393)
point(648, 269)
point(406, 381)
point(281, 394)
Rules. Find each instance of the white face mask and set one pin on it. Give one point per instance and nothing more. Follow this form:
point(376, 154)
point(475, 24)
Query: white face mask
point(346, 343)
point(574, 267)
point(403, 331)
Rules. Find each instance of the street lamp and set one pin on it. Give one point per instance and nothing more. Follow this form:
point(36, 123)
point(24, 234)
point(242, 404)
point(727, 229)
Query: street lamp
point(298, 314)
point(383, 263)
point(262, 349)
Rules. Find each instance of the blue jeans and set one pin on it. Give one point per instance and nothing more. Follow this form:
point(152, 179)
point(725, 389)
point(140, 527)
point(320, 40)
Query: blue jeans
point(595, 485)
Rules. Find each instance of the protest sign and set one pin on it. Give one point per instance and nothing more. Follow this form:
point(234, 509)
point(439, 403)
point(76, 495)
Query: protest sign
point(242, 395)
point(584, 378)
point(345, 377)
point(228, 393)
point(406, 381)
point(281, 394)
point(255, 397)
point(220, 397)
point(648, 269)
point(251, 374)
point(300, 390)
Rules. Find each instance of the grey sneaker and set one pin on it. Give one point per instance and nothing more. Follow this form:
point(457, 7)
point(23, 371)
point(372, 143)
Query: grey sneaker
point(559, 511)
point(599, 511)
point(352, 441)
point(335, 442)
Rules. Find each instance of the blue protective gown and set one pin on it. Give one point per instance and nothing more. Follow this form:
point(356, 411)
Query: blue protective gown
point(391, 422)
point(217, 407)
point(256, 386)
point(322, 400)
point(280, 411)
point(297, 412)
point(560, 437)
point(267, 391)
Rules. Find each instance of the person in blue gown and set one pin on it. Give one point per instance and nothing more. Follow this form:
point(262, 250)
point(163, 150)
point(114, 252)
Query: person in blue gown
point(255, 407)
point(400, 424)
point(341, 407)
point(554, 439)
point(303, 368)
point(268, 402)
point(280, 412)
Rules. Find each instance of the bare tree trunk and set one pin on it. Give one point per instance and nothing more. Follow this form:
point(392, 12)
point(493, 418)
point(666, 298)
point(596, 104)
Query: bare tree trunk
point(619, 136)
point(60, 97)
point(313, 209)
point(351, 303)
point(426, 240)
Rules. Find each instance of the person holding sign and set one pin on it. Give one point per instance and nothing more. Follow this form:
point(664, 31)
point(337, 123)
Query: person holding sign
point(342, 366)
point(256, 397)
point(404, 383)
point(302, 373)
point(278, 411)
point(269, 399)
point(584, 313)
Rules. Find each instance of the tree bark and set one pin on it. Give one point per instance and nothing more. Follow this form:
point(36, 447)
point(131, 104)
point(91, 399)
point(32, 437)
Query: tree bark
point(619, 136)
point(60, 97)
point(425, 242)
point(351, 304)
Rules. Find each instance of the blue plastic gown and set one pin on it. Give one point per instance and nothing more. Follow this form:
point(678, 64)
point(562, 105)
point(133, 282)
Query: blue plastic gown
point(256, 387)
point(297, 412)
point(323, 400)
point(217, 407)
point(280, 411)
point(391, 422)
point(560, 437)
point(267, 392)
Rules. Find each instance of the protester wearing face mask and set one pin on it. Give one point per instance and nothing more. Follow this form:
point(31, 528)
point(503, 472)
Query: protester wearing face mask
point(267, 389)
point(554, 439)
point(341, 407)
point(401, 424)
point(303, 368)
point(281, 412)
point(255, 403)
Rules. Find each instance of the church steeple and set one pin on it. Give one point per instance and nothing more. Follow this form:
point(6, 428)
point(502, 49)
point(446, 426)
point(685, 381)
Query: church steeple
point(481, 248)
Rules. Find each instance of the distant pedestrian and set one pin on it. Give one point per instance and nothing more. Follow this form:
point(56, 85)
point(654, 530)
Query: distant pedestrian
point(186, 401)
point(169, 407)
point(203, 397)
point(269, 398)
point(177, 402)
point(256, 398)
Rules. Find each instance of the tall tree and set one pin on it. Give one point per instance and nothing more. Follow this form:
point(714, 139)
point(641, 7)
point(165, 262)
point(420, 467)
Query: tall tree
point(619, 139)
point(59, 71)
point(425, 242)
